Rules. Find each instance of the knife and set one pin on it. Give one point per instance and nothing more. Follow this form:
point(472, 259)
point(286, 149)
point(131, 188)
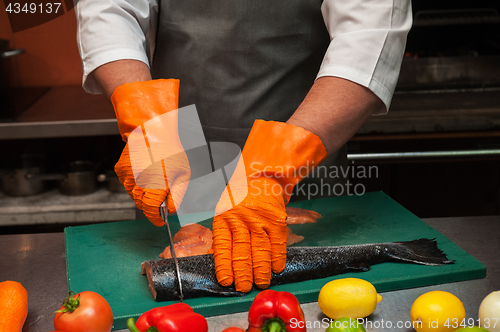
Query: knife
point(163, 214)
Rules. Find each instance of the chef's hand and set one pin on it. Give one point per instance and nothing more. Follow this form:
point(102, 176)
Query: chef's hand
point(153, 166)
point(249, 227)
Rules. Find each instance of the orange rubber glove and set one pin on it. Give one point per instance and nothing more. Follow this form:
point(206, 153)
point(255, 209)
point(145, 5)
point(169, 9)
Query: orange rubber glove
point(250, 237)
point(153, 153)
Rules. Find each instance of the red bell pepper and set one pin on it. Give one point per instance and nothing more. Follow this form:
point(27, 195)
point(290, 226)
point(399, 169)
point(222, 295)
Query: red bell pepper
point(177, 317)
point(273, 311)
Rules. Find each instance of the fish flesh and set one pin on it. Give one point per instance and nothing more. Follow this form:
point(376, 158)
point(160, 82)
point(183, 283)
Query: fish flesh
point(190, 240)
point(198, 241)
point(296, 216)
point(195, 239)
point(191, 246)
point(195, 229)
point(303, 263)
point(291, 238)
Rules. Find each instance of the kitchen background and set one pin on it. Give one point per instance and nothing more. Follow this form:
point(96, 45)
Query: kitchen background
point(447, 100)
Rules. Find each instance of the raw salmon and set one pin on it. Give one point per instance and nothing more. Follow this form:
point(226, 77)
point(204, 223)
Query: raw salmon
point(295, 216)
point(194, 230)
point(302, 263)
point(190, 240)
point(292, 238)
point(195, 239)
point(300, 216)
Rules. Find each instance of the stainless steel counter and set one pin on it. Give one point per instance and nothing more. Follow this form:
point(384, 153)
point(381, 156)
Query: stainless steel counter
point(38, 262)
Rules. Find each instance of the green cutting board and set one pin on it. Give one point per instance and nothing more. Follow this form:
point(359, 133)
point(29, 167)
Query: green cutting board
point(106, 258)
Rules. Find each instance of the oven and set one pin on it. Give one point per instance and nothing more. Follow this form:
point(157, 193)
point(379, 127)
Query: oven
point(452, 45)
point(438, 149)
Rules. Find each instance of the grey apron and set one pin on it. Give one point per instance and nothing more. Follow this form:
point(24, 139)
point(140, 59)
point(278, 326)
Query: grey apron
point(241, 60)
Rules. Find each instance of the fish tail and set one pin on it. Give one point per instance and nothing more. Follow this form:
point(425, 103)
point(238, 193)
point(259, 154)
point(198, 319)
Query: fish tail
point(421, 251)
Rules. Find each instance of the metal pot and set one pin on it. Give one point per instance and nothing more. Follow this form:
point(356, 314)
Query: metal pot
point(112, 182)
point(79, 178)
point(75, 178)
point(16, 179)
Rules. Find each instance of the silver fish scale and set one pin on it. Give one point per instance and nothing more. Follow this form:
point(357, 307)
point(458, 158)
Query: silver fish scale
point(303, 263)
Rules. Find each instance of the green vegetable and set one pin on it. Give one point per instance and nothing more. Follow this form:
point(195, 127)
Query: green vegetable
point(345, 324)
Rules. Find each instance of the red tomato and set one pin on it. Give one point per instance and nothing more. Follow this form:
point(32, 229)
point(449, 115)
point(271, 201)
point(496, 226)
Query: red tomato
point(91, 313)
point(233, 329)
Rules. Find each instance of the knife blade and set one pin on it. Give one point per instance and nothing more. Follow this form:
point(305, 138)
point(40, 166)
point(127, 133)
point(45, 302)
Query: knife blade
point(163, 214)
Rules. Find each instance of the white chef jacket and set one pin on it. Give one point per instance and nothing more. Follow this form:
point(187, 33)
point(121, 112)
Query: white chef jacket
point(368, 38)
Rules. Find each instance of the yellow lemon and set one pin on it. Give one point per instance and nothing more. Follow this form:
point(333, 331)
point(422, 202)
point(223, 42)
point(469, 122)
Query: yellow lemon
point(489, 312)
point(348, 297)
point(437, 311)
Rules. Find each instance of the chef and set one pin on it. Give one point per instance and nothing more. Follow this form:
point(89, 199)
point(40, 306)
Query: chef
point(290, 81)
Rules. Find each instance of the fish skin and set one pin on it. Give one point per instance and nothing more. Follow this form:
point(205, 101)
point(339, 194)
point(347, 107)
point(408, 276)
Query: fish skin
point(303, 263)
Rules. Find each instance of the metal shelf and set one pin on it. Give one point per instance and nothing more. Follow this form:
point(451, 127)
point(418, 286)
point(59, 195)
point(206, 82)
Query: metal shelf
point(52, 207)
point(456, 16)
point(68, 111)
point(443, 111)
point(65, 111)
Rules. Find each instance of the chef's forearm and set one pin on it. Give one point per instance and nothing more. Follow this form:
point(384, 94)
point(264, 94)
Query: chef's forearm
point(334, 109)
point(113, 74)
